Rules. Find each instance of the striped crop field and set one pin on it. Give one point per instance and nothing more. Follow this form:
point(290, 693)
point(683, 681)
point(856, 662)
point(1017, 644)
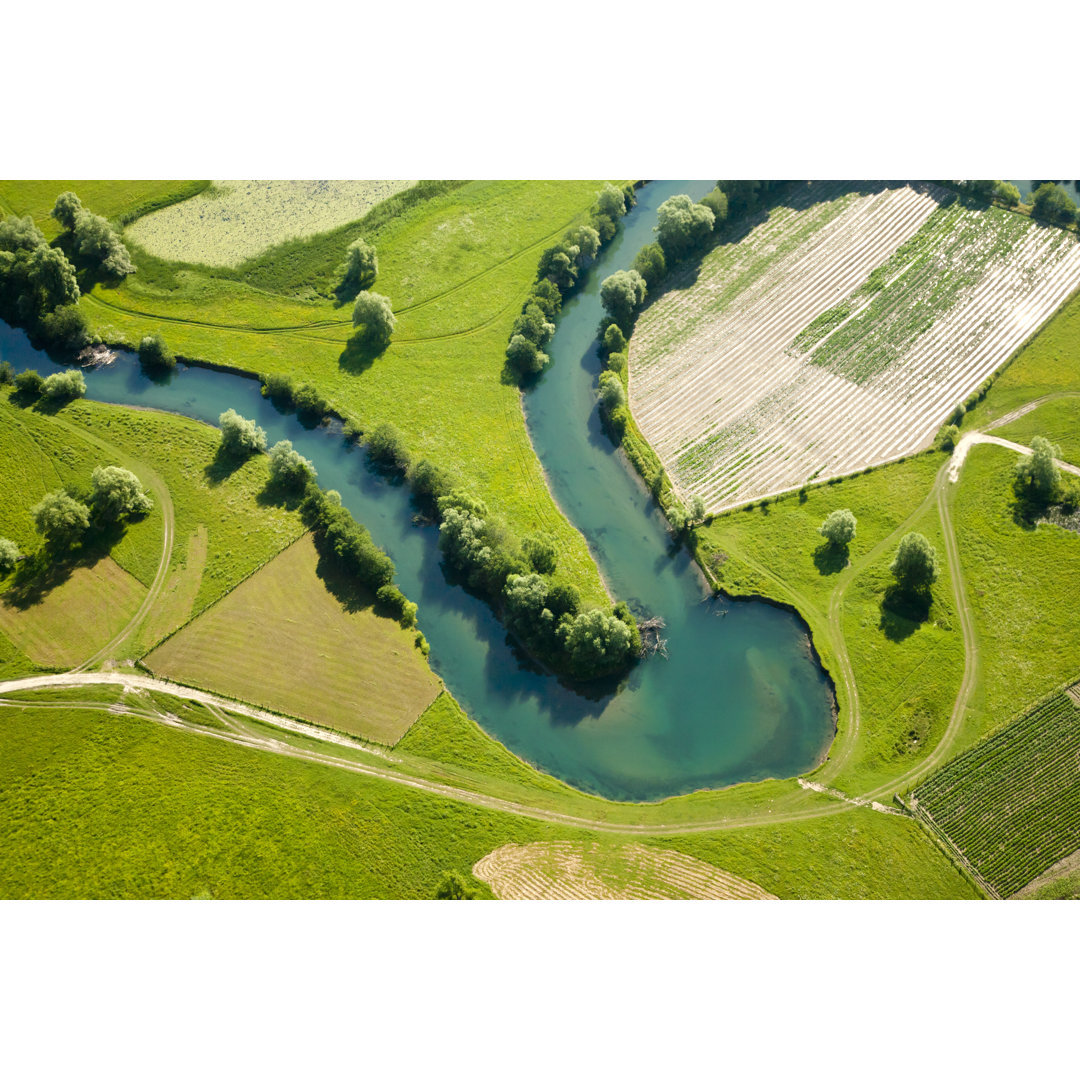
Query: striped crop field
point(838, 333)
point(1011, 804)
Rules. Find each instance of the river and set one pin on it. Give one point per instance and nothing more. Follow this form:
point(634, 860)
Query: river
point(739, 696)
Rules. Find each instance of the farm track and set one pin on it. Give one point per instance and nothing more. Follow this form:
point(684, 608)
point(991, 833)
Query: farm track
point(702, 408)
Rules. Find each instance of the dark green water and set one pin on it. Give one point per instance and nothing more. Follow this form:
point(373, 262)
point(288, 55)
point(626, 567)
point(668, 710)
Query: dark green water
point(739, 696)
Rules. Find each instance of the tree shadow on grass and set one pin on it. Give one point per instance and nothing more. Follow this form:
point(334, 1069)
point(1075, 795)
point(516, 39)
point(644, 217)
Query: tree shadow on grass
point(358, 356)
point(340, 584)
point(282, 495)
point(830, 558)
point(223, 466)
point(903, 612)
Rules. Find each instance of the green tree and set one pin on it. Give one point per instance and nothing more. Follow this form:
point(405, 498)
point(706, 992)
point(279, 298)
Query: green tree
point(98, 244)
point(533, 324)
point(309, 400)
point(682, 226)
point(948, 437)
point(429, 482)
point(7, 373)
point(1038, 473)
point(117, 493)
point(622, 293)
point(596, 643)
point(51, 279)
point(9, 555)
point(611, 201)
point(240, 437)
point(587, 241)
point(915, 566)
point(452, 886)
point(64, 328)
point(386, 447)
point(1008, 193)
point(64, 385)
point(541, 553)
point(374, 318)
point(288, 467)
point(278, 387)
point(839, 528)
point(614, 339)
point(717, 202)
point(1051, 204)
point(61, 519)
point(611, 392)
point(20, 234)
point(651, 264)
point(361, 265)
point(524, 356)
point(697, 509)
point(154, 354)
point(29, 383)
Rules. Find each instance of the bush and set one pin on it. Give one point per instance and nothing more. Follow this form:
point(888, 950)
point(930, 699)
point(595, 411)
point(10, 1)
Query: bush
point(65, 329)
point(117, 493)
point(7, 373)
point(61, 519)
point(1051, 204)
point(29, 383)
point(717, 202)
point(524, 357)
point(288, 467)
point(386, 448)
point(682, 226)
point(429, 483)
point(278, 387)
point(839, 528)
point(1007, 193)
point(611, 392)
point(651, 264)
point(541, 554)
point(915, 566)
point(617, 362)
point(1038, 475)
point(374, 316)
point(452, 886)
point(240, 437)
point(64, 385)
point(403, 609)
point(9, 555)
point(154, 354)
point(361, 265)
point(308, 400)
point(948, 437)
point(614, 339)
point(622, 294)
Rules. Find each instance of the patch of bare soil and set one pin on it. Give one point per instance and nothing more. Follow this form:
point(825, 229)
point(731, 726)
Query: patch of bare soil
point(569, 870)
point(1062, 868)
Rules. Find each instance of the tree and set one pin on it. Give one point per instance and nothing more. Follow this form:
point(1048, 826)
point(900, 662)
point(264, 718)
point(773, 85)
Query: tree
point(532, 324)
point(622, 293)
point(98, 243)
point(361, 265)
point(308, 399)
point(240, 437)
point(614, 339)
point(587, 241)
point(1052, 204)
point(20, 234)
point(7, 373)
point(154, 354)
point(1039, 474)
point(117, 493)
point(64, 328)
point(650, 264)
point(742, 195)
point(66, 209)
point(1008, 193)
point(63, 385)
point(452, 886)
point(717, 202)
point(948, 437)
point(9, 555)
point(611, 201)
point(983, 188)
point(545, 294)
point(51, 279)
point(386, 447)
point(697, 509)
point(682, 226)
point(278, 387)
point(524, 356)
point(29, 383)
point(61, 519)
point(288, 467)
point(374, 317)
point(839, 528)
point(541, 553)
point(429, 482)
point(611, 392)
point(915, 566)
point(596, 643)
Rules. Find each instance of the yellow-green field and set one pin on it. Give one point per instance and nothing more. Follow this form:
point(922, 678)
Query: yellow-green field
point(282, 640)
point(236, 219)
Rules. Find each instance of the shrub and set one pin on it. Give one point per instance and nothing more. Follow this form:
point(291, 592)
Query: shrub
point(403, 609)
point(29, 383)
point(7, 373)
point(361, 265)
point(1007, 193)
point(541, 554)
point(1051, 204)
point(240, 437)
point(614, 339)
point(386, 448)
point(839, 528)
point(1038, 475)
point(9, 555)
point(278, 387)
point(948, 437)
point(61, 519)
point(617, 362)
point(117, 493)
point(308, 400)
point(651, 264)
point(154, 354)
point(682, 226)
point(524, 357)
point(288, 467)
point(622, 293)
point(64, 385)
point(611, 392)
point(65, 329)
point(717, 202)
point(429, 483)
point(915, 566)
point(374, 317)
point(452, 886)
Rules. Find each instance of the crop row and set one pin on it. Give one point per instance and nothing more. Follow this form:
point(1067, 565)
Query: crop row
point(1012, 803)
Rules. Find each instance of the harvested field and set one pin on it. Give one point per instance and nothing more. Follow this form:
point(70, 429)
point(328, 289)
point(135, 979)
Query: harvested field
point(236, 219)
point(839, 333)
point(285, 641)
point(1011, 804)
point(569, 870)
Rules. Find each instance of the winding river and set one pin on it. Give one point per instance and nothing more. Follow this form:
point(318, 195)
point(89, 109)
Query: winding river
point(739, 696)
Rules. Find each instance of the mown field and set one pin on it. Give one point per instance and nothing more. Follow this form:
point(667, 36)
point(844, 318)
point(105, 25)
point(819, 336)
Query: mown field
point(234, 220)
point(838, 333)
point(1011, 804)
point(298, 639)
point(98, 804)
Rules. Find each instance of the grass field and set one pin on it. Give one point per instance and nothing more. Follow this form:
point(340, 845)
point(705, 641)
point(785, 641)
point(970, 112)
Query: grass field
point(99, 804)
point(1011, 804)
point(1058, 421)
point(296, 639)
point(119, 200)
point(457, 268)
point(840, 332)
point(234, 220)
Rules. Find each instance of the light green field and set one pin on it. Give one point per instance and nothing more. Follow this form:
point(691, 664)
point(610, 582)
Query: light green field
point(1057, 420)
point(236, 219)
point(296, 639)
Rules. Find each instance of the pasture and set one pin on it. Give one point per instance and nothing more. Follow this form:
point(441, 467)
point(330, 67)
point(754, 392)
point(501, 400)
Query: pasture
point(234, 220)
point(297, 639)
point(838, 333)
point(1011, 804)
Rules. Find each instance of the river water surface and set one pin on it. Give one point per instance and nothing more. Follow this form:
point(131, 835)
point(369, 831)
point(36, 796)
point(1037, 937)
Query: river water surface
point(739, 696)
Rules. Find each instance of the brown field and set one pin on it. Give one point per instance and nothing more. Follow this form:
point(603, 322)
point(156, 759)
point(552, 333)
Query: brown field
point(571, 870)
point(75, 619)
point(283, 641)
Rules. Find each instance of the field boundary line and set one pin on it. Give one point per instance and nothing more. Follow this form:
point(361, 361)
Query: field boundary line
point(925, 819)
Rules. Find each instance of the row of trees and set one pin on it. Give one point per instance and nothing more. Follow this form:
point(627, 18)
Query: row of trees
point(1048, 201)
point(94, 243)
point(60, 386)
point(915, 566)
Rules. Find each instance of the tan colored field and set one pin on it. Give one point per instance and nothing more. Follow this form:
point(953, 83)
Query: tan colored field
point(76, 618)
point(839, 333)
point(283, 641)
point(236, 219)
point(571, 870)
